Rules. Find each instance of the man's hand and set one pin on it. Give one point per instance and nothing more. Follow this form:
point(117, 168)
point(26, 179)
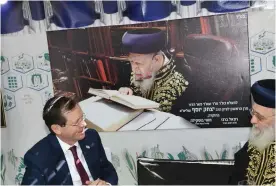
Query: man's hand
point(97, 182)
point(126, 91)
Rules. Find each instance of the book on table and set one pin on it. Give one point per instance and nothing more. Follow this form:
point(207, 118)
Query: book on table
point(105, 115)
point(134, 102)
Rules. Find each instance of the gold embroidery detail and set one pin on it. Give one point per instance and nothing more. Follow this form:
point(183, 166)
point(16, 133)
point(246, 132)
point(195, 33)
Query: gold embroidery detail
point(261, 168)
point(168, 86)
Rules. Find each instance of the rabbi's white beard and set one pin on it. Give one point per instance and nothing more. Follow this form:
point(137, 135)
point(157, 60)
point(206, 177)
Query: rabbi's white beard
point(262, 138)
point(146, 84)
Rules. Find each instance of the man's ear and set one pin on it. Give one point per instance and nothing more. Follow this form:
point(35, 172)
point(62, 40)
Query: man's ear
point(56, 128)
point(158, 59)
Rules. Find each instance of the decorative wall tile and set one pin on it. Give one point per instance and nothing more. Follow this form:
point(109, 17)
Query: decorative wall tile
point(8, 101)
point(262, 42)
point(37, 80)
point(5, 67)
point(12, 81)
point(43, 62)
point(255, 64)
point(270, 62)
point(22, 63)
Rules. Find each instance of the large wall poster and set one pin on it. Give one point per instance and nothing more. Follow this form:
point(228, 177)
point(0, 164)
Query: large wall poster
point(196, 68)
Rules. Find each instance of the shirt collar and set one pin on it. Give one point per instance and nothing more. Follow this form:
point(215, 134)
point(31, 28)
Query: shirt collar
point(64, 146)
point(166, 60)
point(165, 69)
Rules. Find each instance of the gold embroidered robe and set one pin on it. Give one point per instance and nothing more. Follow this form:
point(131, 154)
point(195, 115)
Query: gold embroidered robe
point(167, 87)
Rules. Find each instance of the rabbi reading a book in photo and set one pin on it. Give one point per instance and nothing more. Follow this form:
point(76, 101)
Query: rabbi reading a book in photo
point(153, 74)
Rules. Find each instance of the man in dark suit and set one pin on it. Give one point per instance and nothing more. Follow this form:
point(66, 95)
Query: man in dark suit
point(70, 154)
point(255, 162)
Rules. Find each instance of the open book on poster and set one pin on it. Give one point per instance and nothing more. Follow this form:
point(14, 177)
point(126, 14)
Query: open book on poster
point(134, 102)
point(104, 115)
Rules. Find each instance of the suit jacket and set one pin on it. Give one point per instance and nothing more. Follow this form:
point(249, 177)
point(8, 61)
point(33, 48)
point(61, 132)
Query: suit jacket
point(241, 164)
point(46, 164)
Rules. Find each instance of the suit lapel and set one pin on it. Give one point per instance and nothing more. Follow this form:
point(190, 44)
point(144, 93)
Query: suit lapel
point(62, 169)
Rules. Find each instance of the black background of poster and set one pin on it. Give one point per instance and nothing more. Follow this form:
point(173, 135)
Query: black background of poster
point(219, 76)
point(216, 71)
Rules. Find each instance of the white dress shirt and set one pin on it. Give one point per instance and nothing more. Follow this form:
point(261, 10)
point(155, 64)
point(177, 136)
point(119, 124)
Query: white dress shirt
point(71, 162)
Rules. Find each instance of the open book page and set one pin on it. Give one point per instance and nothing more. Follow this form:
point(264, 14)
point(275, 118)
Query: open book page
point(140, 121)
point(107, 115)
point(103, 93)
point(176, 122)
point(134, 102)
point(161, 118)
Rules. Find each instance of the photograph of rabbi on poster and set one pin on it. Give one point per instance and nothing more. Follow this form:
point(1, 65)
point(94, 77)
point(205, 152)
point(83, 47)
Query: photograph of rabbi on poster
point(195, 68)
